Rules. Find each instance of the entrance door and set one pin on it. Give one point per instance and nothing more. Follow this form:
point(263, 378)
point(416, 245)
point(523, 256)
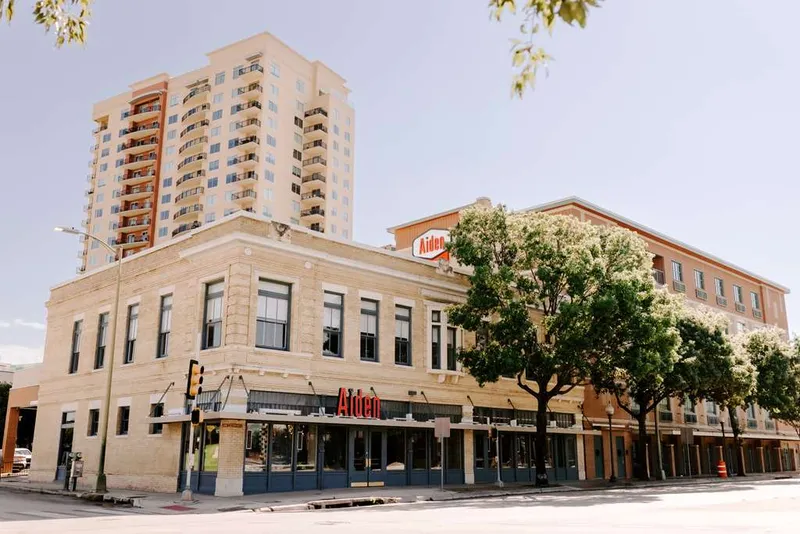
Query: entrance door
point(368, 458)
point(65, 443)
point(619, 449)
point(599, 468)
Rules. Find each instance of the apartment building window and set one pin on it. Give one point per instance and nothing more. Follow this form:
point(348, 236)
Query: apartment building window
point(213, 149)
point(295, 188)
point(755, 301)
point(98, 212)
point(336, 145)
point(298, 138)
point(172, 134)
point(217, 98)
point(333, 229)
point(719, 287)
point(334, 194)
point(94, 422)
point(402, 335)
point(333, 310)
point(104, 167)
point(164, 326)
point(436, 339)
point(296, 171)
point(369, 330)
point(123, 420)
point(345, 216)
point(266, 212)
point(298, 122)
point(76, 347)
point(165, 199)
point(170, 150)
point(268, 193)
point(275, 69)
point(156, 410)
point(212, 317)
point(738, 294)
point(164, 215)
point(219, 79)
point(347, 136)
point(296, 154)
point(104, 152)
point(167, 182)
point(346, 184)
point(274, 89)
point(174, 99)
point(163, 231)
point(102, 335)
point(345, 201)
point(215, 131)
point(132, 329)
point(172, 119)
point(106, 138)
point(699, 279)
point(273, 107)
point(333, 211)
point(300, 85)
point(295, 206)
point(213, 165)
point(336, 129)
point(272, 322)
point(271, 141)
point(346, 167)
point(210, 217)
point(451, 348)
point(216, 115)
point(212, 182)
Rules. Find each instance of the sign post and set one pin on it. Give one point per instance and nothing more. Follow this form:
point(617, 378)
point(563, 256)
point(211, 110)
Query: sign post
point(441, 431)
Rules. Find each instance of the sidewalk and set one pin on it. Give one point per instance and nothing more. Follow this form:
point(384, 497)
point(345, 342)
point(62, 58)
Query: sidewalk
point(348, 497)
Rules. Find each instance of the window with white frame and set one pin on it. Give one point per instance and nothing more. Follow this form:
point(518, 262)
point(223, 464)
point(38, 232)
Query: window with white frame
point(677, 271)
point(402, 335)
point(272, 322)
point(212, 317)
point(444, 342)
point(332, 324)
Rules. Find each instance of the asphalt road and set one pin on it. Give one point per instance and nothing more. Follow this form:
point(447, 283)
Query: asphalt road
point(762, 507)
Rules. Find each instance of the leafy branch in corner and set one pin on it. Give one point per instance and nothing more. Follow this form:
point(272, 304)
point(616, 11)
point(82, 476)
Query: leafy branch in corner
point(68, 19)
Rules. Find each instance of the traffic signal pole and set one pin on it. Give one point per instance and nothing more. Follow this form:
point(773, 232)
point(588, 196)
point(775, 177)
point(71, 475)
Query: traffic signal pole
point(194, 386)
point(186, 495)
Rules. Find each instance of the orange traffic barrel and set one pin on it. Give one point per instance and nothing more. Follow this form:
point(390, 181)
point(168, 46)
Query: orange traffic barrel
point(722, 469)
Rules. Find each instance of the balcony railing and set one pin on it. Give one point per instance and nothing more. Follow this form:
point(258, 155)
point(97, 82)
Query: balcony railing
point(196, 91)
point(189, 193)
point(241, 141)
point(186, 227)
point(255, 86)
point(142, 127)
point(137, 222)
point(315, 111)
point(314, 144)
point(140, 174)
point(313, 194)
point(243, 158)
point(101, 128)
point(192, 159)
point(248, 122)
point(141, 109)
point(255, 67)
point(314, 128)
point(137, 159)
point(193, 142)
point(312, 177)
point(241, 195)
point(314, 161)
point(658, 276)
point(134, 144)
point(199, 124)
point(312, 211)
point(243, 107)
point(137, 190)
point(187, 210)
point(241, 177)
point(665, 416)
point(190, 176)
point(689, 417)
point(712, 419)
point(197, 109)
point(752, 423)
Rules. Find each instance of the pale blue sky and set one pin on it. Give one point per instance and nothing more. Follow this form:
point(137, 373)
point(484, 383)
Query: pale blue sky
point(680, 115)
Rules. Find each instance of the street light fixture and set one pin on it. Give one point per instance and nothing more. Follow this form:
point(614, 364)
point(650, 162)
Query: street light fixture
point(610, 413)
point(100, 484)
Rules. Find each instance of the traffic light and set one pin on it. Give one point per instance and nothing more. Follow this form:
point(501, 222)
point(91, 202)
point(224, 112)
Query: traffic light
point(197, 416)
point(194, 381)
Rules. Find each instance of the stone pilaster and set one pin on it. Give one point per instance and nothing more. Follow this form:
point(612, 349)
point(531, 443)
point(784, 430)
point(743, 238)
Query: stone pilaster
point(230, 464)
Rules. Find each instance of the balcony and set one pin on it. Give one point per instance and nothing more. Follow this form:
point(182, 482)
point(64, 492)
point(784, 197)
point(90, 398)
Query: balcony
point(315, 179)
point(752, 424)
point(315, 116)
point(313, 198)
point(249, 73)
point(101, 128)
point(248, 109)
point(245, 161)
point(141, 113)
point(722, 301)
point(712, 419)
point(244, 198)
point(757, 314)
point(190, 178)
point(665, 417)
point(138, 177)
point(134, 225)
point(189, 194)
point(316, 214)
point(188, 213)
point(133, 163)
point(740, 307)
point(193, 147)
point(132, 148)
point(197, 95)
point(193, 162)
point(701, 294)
point(250, 91)
point(315, 164)
point(136, 193)
point(140, 131)
point(245, 143)
point(136, 208)
point(197, 112)
point(317, 228)
point(133, 242)
point(194, 129)
point(315, 148)
point(243, 177)
point(317, 131)
point(186, 228)
point(249, 126)
point(689, 418)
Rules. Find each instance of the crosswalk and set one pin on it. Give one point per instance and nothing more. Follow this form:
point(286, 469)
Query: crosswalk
point(96, 511)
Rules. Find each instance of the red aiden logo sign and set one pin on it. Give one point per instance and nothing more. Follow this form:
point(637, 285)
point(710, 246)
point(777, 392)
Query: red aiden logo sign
point(431, 245)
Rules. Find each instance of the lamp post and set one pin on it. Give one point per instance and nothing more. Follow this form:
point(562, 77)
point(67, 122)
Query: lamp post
point(722, 451)
point(609, 413)
point(100, 484)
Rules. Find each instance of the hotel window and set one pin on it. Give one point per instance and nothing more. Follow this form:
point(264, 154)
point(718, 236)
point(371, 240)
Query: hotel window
point(213, 165)
point(106, 138)
point(217, 98)
point(436, 339)
point(164, 215)
point(402, 335)
point(123, 420)
point(336, 129)
point(164, 326)
point(677, 271)
point(273, 107)
point(94, 422)
point(171, 134)
point(347, 136)
point(738, 294)
point(174, 99)
point(216, 115)
point(130, 337)
point(274, 89)
point(369, 330)
point(755, 302)
point(76, 347)
point(165, 199)
point(336, 145)
point(272, 326)
point(167, 181)
point(170, 150)
point(215, 131)
point(213, 149)
point(270, 158)
point(298, 138)
point(102, 336)
point(300, 85)
point(271, 141)
point(212, 317)
point(156, 410)
point(332, 324)
point(298, 122)
point(172, 119)
point(295, 188)
point(719, 286)
point(219, 78)
point(699, 279)
point(163, 231)
point(104, 152)
point(212, 182)
point(210, 217)
point(275, 69)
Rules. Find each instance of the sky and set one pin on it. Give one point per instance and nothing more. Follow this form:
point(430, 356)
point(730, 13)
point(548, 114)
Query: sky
point(680, 115)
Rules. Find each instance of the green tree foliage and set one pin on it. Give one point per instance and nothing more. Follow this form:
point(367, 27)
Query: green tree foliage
point(550, 299)
point(536, 15)
point(68, 19)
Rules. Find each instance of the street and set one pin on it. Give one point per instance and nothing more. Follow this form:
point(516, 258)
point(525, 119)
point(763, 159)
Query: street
point(769, 506)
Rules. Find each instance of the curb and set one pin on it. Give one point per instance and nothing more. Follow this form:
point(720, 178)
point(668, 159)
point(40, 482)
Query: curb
point(131, 502)
point(329, 504)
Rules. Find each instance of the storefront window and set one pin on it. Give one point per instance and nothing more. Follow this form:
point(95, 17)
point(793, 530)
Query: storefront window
point(334, 439)
point(197, 438)
point(395, 449)
point(548, 455)
point(306, 447)
point(522, 451)
point(418, 453)
point(479, 440)
point(436, 453)
point(453, 447)
point(211, 447)
point(572, 454)
point(507, 450)
point(281, 446)
point(256, 443)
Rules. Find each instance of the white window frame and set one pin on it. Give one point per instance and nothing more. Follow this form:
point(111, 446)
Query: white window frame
point(441, 307)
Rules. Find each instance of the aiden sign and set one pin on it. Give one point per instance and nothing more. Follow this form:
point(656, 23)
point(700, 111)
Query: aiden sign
point(358, 405)
point(431, 245)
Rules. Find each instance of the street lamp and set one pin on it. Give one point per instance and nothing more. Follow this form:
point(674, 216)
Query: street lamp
point(610, 413)
point(722, 426)
point(100, 484)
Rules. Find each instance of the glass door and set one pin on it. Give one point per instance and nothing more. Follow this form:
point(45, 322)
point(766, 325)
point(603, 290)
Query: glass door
point(368, 458)
point(377, 458)
point(65, 443)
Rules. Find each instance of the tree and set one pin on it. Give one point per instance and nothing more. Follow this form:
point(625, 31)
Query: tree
point(68, 18)
point(526, 58)
point(548, 300)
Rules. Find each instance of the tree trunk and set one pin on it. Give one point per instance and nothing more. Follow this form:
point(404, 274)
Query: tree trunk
point(737, 442)
point(541, 443)
point(641, 447)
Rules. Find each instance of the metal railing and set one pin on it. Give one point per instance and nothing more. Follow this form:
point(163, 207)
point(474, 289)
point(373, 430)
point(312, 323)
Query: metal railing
point(247, 105)
point(315, 127)
point(314, 160)
point(190, 176)
point(190, 193)
point(188, 209)
point(313, 144)
point(312, 211)
point(250, 68)
point(196, 91)
point(315, 111)
point(248, 122)
point(255, 86)
point(233, 178)
point(126, 131)
point(141, 109)
point(241, 159)
point(249, 193)
point(312, 177)
point(193, 142)
point(186, 227)
point(192, 159)
point(244, 141)
point(196, 109)
point(199, 124)
point(313, 194)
